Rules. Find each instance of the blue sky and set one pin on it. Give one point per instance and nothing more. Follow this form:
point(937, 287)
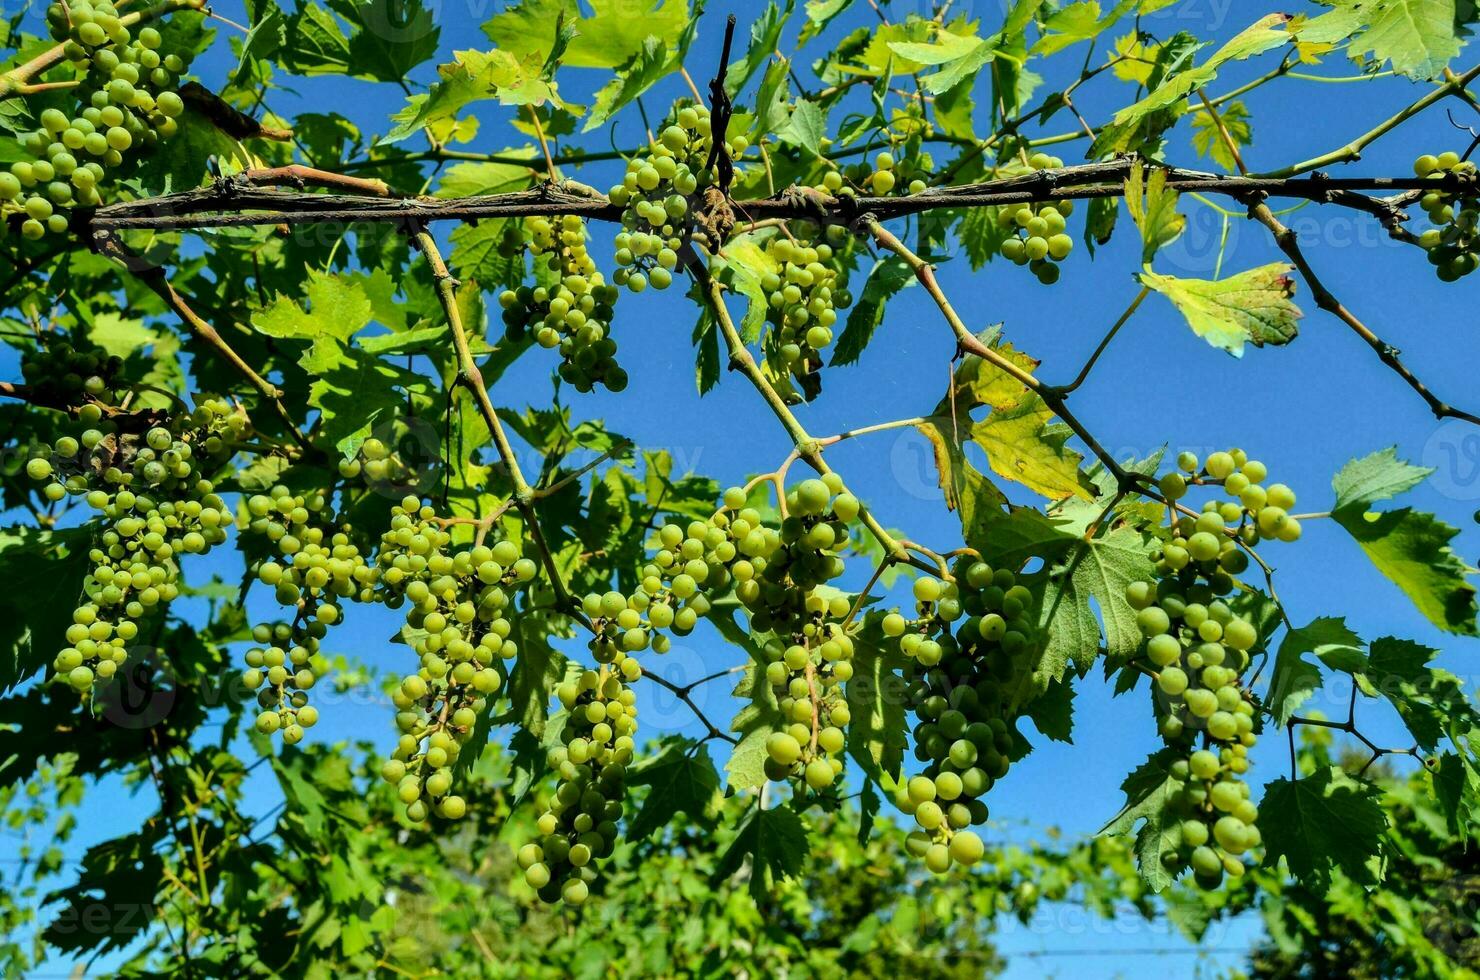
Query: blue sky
point(1305, 410)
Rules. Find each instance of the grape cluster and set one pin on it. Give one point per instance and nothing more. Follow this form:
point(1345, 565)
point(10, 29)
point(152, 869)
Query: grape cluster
point(1454, 244)
point(1197, 648)
point(886, 176)
point(127, 99)
point(1255, 514)
point(580, 825)
point(1036, 235)
point(657, 193)
point(575, 314)
point(803, 297)
point(318, 568)
point(777, 578)
point(458, 604)
point(807, 677)
point(157, 502)
point(63, 374)
point(963, 684)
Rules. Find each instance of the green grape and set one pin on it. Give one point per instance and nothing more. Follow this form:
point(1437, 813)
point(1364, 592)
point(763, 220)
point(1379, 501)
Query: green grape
point(155, 501)
point(1036, 235)
point(1453, 244)
point(575, 315)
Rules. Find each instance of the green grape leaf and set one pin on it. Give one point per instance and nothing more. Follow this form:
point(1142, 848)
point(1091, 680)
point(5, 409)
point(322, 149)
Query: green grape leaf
point(474, 76)
point(1208, 141)
point(1052, 711)
point(612, 36)
point(1294, 679)
point(1417, 36)
point(476, 256)
point(1150, 811)
point(1321, 823)
point(391, 38)
point(482, 177)
point(754, 723)
point(354, 391)
point(1154, 210)
point(981, 235)
point(957, 56)
point(1380, 476)
point(765, 40)
point(335, 307)
point(877, 730)
point(1253, 306)
point(1411, 548)
point(1432, 702)
point(1023, 444)
point(1456, 787)
point(820, 13)
point(682, 780)
point(1266, 33)
point(1076, 22)
point(775, 842)
point(888, 276)
point(315, 43)
point(536, 673)
point(43, 573)
point(807, 127)
point(1096, 570)
point(631, 80)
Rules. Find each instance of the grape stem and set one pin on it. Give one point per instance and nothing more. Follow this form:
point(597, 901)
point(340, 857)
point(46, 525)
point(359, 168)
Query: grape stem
point(1288, 243)
point(684, 694)
point(806, 447)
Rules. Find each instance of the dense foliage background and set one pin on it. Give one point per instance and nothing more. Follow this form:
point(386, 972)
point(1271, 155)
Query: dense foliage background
point(160, 827)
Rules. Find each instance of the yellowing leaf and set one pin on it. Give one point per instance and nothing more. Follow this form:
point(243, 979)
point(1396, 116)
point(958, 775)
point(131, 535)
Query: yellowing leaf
point(1253, 306)
point(1154, 210)
point(1023, 445)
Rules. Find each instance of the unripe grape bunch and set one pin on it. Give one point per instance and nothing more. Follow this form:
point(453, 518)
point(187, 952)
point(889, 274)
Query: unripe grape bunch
point(1453, 243)
point(157, 502)
point(658, 193)
point(965, 685)
point(574, 313)
point(803, 296)
point(63, 374)
point(1197, 648)
point(1036, 232)
point(125, 100)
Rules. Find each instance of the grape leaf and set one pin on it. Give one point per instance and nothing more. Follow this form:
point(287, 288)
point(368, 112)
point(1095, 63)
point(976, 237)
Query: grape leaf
point(776, 843)
point(1320, 823)
point(474, 76)
point(1023, 445)
point(765, 40)
point(391, 37)
point(1253, 306)
point(1266, 33)
point(878, 729)
point(336, 307)
point(354, 391)
point(1208, 141)
point(1076, 22)
point(754, 723)
point(1151, 794)
point(683, 780)
point(1417, 36)
point(614, 33)
point(1432, 702)
point(42, 572)
point(1294, 679)
point(1154, 210)
point(888, 276)
point(1096, 570)
point(1411, 548)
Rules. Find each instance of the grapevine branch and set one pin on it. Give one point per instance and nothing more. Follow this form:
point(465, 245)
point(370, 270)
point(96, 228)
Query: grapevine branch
point(1286, 239)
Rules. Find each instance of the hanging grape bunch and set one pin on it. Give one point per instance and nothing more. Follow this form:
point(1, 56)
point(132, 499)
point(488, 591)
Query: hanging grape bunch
point(1036, 235)
point(806, 676)
point(657, 193)
point(580, 824)
point(963, 688)
point(458, 604)
point(1454, 243)
point(317, 568)
point(63, 374)
point(1197, 649)
point(803, 297)
point(573, 315)
point(887, 176)
point(125, 100)
point(157, 501)
point(777, 586)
